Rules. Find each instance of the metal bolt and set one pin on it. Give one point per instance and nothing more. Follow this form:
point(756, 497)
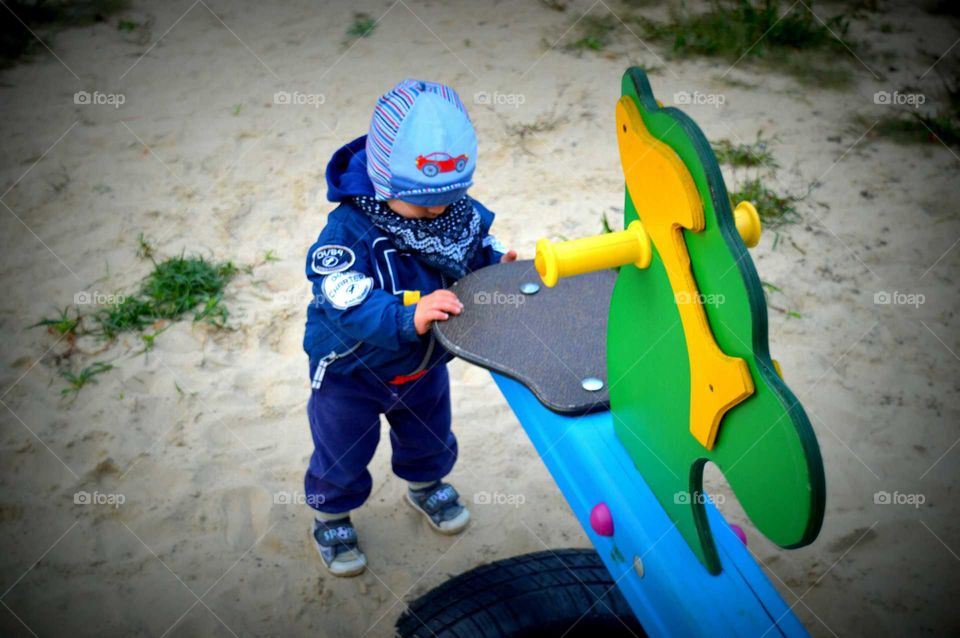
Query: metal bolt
point(530, 288)
point(638, 566)
point(592, 384)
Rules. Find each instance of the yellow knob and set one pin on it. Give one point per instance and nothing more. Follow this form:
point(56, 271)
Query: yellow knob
point(411, 297)
point(588, 254)
point(748, 223)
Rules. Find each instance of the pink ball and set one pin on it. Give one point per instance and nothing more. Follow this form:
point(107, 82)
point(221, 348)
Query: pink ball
point(742, 535)
point(601, 520)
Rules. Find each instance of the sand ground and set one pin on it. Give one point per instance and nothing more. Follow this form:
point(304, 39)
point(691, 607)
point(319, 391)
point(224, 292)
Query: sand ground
point(200, 435)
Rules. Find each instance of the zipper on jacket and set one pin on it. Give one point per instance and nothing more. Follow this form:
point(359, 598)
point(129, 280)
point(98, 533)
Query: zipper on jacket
point(326, 361)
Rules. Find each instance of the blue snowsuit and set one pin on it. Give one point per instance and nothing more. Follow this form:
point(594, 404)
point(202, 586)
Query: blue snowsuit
point(361, 341)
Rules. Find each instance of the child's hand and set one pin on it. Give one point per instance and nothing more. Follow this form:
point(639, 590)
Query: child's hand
point(510, 256)
point(437, 306)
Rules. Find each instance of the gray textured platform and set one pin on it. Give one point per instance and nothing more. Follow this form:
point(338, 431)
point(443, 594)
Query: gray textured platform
point(549, 341)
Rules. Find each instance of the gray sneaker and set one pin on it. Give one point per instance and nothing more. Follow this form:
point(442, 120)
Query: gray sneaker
point(339, 548)
point(440, 504)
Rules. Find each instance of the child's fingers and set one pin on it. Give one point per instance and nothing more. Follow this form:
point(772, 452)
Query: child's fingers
point(445, 305)
point(446, 295)
point(437, 315)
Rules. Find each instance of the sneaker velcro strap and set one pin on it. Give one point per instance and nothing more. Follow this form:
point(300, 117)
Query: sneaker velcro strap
point(439, 498)
point(343, 534)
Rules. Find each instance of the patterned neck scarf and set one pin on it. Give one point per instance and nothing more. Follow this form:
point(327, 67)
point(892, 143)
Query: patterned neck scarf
point(447, 242)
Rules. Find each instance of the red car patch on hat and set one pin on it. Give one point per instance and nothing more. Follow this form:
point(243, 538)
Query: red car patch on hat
point(440, 162)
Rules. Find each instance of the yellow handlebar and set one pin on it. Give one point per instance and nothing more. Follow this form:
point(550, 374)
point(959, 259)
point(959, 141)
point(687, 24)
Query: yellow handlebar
point(630, 246)
point(577, 256)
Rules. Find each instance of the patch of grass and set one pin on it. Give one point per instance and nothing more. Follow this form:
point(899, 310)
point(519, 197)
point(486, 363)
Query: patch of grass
point(913, 125)
point(362, 26)
point(77, 380)
point(128, 25)
point(775, 210)
point(735, 28)
point(175, 287)
point(753, 155)
point(595, 33)
point(919, 128)
point(556, 5)
point(62, 326)
point(751, 29)
point(144, 247)
point(45, 17)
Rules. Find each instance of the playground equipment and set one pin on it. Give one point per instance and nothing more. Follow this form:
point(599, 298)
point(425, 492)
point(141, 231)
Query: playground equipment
point(627, 410)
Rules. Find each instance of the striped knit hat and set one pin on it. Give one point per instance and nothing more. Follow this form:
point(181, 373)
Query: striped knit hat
point(421, 147)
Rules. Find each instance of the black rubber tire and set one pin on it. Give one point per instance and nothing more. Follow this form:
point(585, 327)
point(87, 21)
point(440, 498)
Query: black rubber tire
point(563, 592)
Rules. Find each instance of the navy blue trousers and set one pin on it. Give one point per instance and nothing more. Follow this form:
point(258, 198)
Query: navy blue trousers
point(344, 418)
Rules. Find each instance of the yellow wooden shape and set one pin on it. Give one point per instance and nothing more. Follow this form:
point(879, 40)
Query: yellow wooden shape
point(667, 201)
point(578, 256)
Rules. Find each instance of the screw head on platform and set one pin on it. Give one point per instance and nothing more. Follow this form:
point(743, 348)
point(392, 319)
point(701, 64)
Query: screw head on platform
point(638, 566)
point(592, 384)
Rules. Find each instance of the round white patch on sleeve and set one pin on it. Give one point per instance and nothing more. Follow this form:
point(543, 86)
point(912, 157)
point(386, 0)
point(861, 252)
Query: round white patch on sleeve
point(346, 289)
point(331, 258)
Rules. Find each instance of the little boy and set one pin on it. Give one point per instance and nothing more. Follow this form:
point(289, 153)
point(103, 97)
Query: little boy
point(404, 231)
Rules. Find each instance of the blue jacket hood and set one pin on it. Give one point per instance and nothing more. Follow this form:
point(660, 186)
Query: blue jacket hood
point(347, 171)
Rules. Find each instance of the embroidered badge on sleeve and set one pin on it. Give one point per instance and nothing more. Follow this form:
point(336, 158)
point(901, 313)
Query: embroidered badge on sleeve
point(346, 289)
point(331, 258)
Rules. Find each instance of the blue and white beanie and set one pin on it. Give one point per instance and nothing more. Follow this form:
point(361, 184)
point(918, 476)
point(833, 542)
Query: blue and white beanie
point(421, 147)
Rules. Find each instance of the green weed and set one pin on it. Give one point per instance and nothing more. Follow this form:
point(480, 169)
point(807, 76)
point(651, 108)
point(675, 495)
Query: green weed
point(789, 39)
point(76, 381)
point(753, 155)
point(595, 33)
point(362, 26)
point(775, 210)
point(176, 286)
point(63, 325)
